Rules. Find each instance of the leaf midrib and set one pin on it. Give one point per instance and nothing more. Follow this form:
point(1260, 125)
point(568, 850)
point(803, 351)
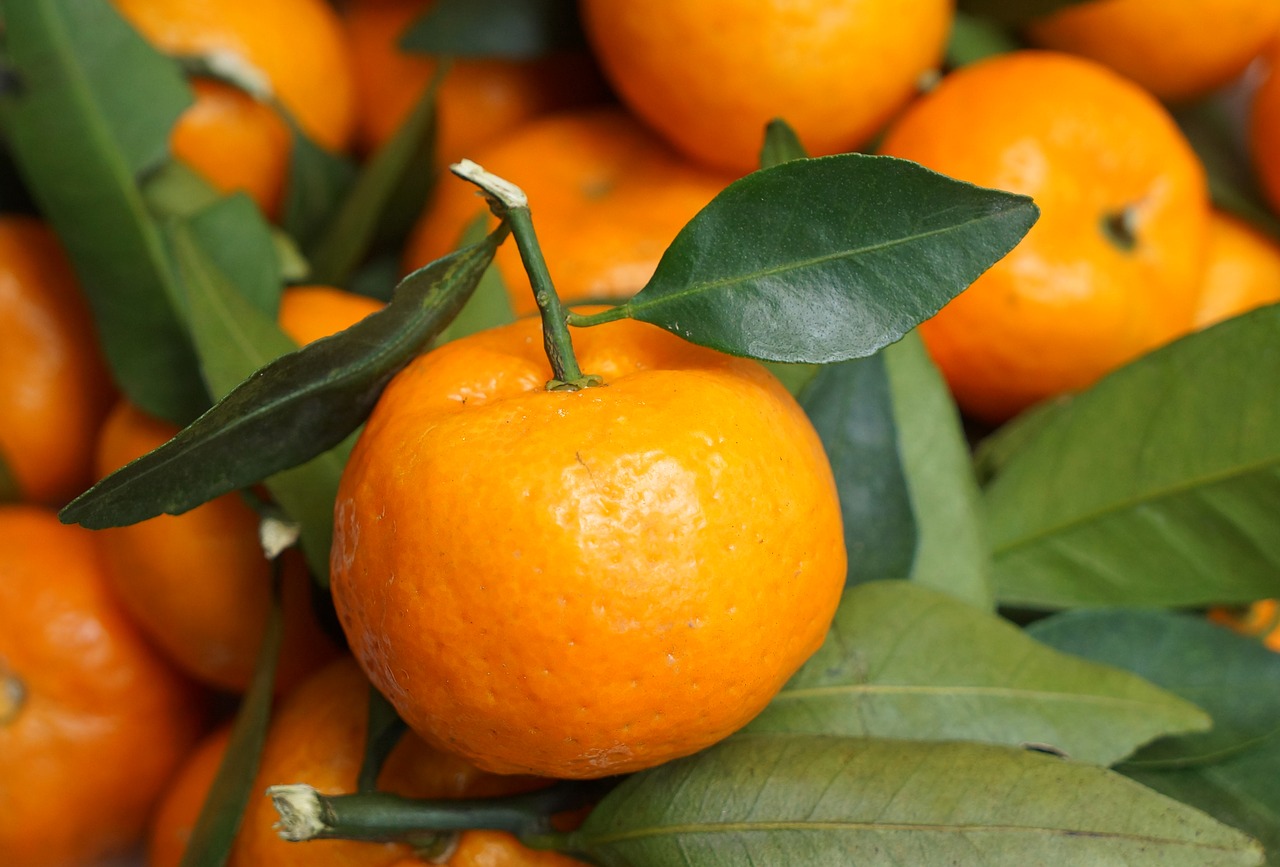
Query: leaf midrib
point(695, 288)
point(1129, 504)
point(934, 827)
point(993, 691)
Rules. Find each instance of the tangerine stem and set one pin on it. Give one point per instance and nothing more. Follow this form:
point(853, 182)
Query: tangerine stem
point(507, 201)
point(306, 814)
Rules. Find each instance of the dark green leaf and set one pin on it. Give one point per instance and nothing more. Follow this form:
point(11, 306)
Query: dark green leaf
point(951, 548)
point(851, 409)
point(1234, 678)
point(973, 39)
point(234, 338)
point(93, 107)
point(1014, 11)
point(781, 145)
point(377, 278)
point(1243, 791)
point(1218, 137)
point(399, 172)
point(1158, 486)
point(905, 661)
point(317, 183)
point(384, 732)
point(818, 801)
point(514, 29)
point(827, 259)
point(215, 830)
point(293, 409)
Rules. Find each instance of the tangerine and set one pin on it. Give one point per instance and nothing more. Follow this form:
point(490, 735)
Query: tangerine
point(308, 313)
point(297, 46)
point(317, 737)
point(1161, 45)
point(198, 583)
point(92, 720)
point(710, 75)
point(1243, 271)
point(566, 583)
point(54, 385)
point(236, 143)
point(479, 98)
point(610, 198)
point(1113, 266)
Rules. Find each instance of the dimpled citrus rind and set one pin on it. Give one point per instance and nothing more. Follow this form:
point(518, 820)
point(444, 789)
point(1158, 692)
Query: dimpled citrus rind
point(577, 584)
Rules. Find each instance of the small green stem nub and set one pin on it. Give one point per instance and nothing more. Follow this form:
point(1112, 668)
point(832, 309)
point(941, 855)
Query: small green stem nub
point(507, 201)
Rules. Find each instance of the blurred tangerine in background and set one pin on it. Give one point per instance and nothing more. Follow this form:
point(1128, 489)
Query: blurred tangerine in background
point(93, 721)
point(709, 75)
point(1113, 267)
point(1176, 50)
point(479, 98)
point(607, 195)
point(1243, 270)
point(228, 136)
point(55, 389)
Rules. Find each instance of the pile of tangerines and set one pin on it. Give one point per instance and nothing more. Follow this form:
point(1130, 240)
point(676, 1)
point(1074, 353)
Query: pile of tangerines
point(608, 629)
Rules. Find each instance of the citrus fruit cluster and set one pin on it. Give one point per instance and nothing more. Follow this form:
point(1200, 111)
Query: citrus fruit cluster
point(557, 559)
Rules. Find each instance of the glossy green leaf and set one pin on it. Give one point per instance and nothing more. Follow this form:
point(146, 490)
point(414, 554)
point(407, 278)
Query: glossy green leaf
point(781, 145)
point(852, 410)
point(234, 338)
point(317, 183)
point(215, 830)
point(1235, 679)
point(513, 29)
point(1160, 486)
point(93, 108)
point(827, 259)
point(1014, 11)
point(399, 172)
point(295, 408)
point(905, 661)
point(817, 801)
point(951, 552)
point(1242, 791)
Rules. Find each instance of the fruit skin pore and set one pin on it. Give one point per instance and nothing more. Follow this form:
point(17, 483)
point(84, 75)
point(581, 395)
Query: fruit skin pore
point(578, 584)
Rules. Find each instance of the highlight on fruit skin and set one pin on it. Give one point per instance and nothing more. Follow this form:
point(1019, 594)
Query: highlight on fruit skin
point(642, 539)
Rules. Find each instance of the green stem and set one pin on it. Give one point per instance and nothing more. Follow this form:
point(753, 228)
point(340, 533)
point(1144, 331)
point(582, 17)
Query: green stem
point(507, 201)
point(555, 327)
point(586, 320)
point(306, 814)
